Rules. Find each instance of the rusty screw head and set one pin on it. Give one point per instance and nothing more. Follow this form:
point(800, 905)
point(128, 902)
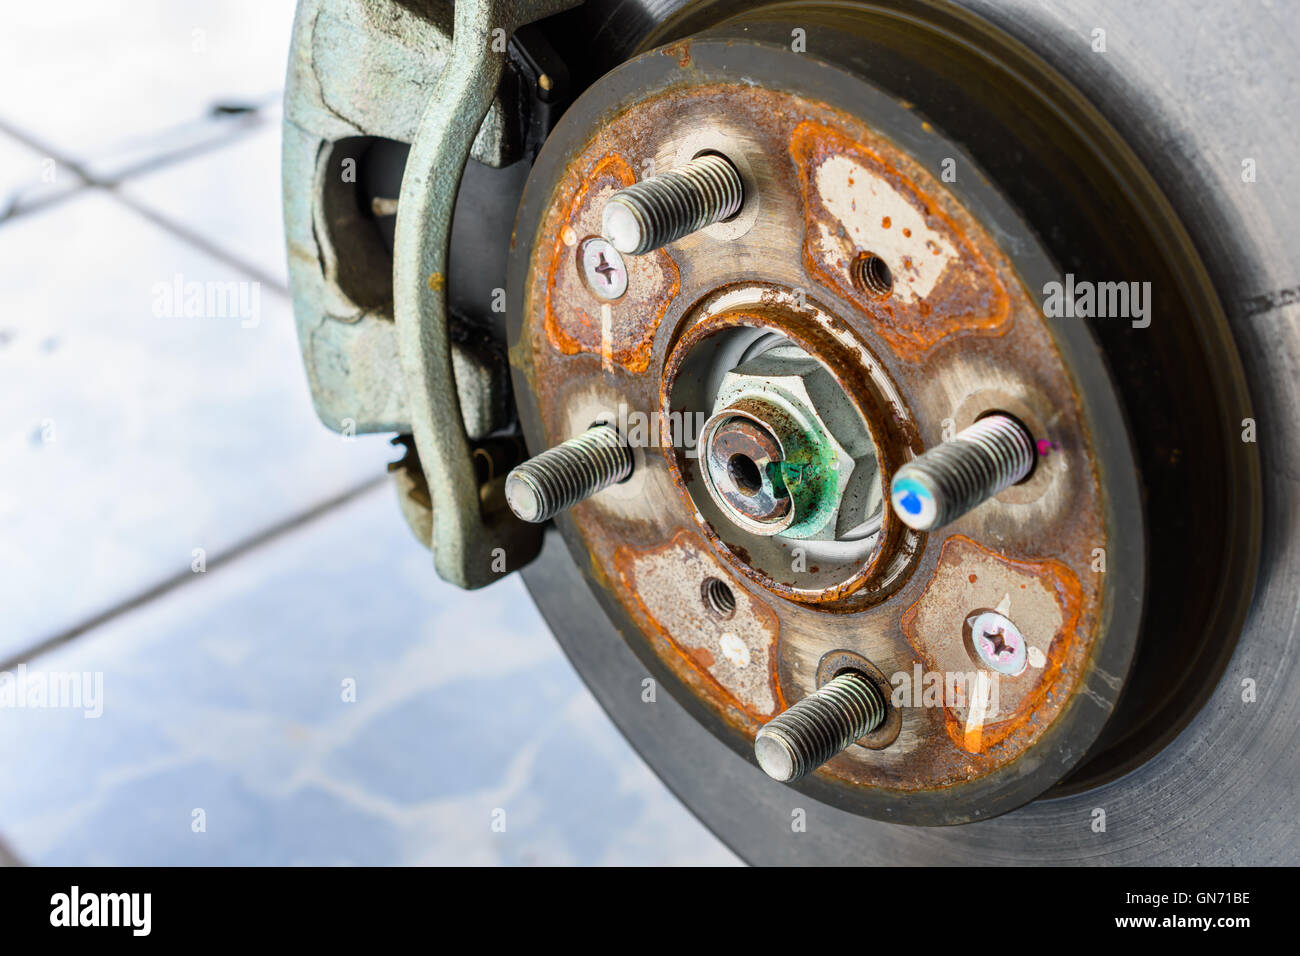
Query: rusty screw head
point(997, 643)
point(603, 268)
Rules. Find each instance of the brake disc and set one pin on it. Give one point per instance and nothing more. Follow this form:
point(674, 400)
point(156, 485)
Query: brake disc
point(933, 232)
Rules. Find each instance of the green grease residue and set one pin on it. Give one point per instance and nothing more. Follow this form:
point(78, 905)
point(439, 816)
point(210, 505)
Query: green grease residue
point(811, 474)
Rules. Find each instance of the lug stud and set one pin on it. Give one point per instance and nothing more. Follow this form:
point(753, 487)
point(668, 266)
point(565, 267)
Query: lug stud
point(663, 209)
point(953, 478)
point(573, 471)
point(827, 721)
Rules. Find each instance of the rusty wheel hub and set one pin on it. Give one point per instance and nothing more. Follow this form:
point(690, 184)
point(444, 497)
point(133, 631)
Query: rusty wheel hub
point(772, 372)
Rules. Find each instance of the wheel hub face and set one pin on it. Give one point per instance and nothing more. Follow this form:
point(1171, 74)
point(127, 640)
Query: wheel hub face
point(850, 254)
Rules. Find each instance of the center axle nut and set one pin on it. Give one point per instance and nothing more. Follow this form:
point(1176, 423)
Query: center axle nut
point(785, 452)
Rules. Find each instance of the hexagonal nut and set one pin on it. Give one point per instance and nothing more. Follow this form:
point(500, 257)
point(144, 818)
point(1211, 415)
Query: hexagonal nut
point(790, 378)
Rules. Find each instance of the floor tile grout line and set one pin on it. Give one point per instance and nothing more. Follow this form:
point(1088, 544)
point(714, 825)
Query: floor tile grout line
point(110, 186)
point(243, 129)
point(243, 123)
point(199, 242)
point(37, 145)
point(53, 199)
point(252, 543)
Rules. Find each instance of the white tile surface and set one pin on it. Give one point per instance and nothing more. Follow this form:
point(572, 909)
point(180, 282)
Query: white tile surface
point(231, 194)
point(130, 439)
point(225, 696)
point(90, 77)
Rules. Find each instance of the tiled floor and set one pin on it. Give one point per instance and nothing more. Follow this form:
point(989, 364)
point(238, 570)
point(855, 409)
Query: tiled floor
point(315, 695)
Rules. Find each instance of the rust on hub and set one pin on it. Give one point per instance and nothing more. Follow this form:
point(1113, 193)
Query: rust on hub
point(861, 256)
point(577, 319)
point(939, 284)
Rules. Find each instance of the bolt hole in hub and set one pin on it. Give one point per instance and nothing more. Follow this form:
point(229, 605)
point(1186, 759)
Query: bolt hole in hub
point(870, 323)
point(719, 598)
point(871, 274)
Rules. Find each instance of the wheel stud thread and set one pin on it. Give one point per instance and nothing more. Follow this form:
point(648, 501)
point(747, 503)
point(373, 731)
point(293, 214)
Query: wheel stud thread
point(664, 208)
point(560, 477)
point(953, 478)
point(827, 721)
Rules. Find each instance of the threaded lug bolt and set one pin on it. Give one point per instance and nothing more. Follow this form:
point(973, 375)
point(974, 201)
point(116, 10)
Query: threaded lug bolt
point(663, 209)
point(546, 484)
point(827, 721)
point(951, 479)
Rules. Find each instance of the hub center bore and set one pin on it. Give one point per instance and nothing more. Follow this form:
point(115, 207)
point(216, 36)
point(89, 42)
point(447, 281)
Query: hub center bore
point(808, 466)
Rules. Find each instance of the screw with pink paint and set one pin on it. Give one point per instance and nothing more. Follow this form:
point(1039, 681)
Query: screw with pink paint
point(997, 643)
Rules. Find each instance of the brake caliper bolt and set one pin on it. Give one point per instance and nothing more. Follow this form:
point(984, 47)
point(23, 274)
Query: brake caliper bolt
point(664, 208)
point(951, 479)
point(827, 721)
point(572, 471)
